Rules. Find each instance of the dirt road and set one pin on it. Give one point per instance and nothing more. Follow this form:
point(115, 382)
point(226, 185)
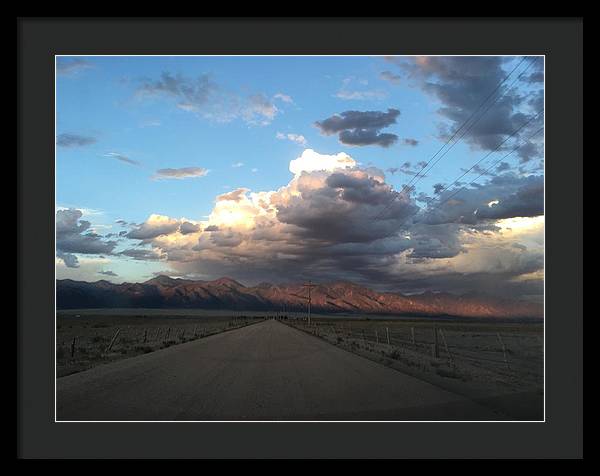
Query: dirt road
point(267, 371)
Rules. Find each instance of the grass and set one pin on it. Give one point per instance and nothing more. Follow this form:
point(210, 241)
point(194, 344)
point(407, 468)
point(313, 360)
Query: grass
point(139, 333)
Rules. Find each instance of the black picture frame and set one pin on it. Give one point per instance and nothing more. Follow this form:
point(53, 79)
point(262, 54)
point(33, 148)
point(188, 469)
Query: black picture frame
point(560, 40)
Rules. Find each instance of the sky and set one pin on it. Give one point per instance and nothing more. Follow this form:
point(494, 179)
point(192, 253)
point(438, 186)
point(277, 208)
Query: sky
point(406, 174)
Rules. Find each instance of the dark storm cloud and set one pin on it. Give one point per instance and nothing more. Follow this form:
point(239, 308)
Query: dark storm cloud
point(74, 140)
point(360, 189)
point(358, 120)
point(515, 197)
point(462, 83)
point(73, 236)
point(344, 210)
point(360, 128)
point(361, 137)
point(435, 241)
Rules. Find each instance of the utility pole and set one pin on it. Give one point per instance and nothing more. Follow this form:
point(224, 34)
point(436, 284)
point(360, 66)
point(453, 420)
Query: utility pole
point(309, 285)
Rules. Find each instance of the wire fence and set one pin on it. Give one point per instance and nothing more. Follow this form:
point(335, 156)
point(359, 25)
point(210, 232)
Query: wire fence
point(508, 350)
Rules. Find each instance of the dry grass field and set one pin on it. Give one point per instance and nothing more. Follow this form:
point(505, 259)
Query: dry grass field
point(84, 338)
point(500, 363)
point(479, 359)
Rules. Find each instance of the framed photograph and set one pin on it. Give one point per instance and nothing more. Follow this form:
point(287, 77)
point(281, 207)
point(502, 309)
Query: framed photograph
point(307, 248)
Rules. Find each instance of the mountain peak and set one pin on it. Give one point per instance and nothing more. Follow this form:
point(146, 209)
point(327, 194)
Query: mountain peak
point(226, 281)
point(167, 281)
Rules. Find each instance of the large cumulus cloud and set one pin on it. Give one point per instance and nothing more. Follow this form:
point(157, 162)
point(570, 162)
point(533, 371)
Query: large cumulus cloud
point(342, 221)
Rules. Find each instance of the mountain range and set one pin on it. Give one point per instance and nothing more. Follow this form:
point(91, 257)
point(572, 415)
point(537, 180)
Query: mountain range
point(337, 297)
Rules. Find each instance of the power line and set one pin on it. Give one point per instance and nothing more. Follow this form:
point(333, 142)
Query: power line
point(489, 168)
point(475, 121)
point(407, 186)
point(474, 112)
point(516, 131)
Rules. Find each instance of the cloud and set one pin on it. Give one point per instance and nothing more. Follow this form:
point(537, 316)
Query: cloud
point(259, 110)
point(121, 157)
point(297, 138)
point(234, 196)
point(204, 97)
point(360, 128)
point(108, 273)
point(69, 259)
point(311, 161)
point(503, 196)
point(284, 98)
point(179, 174)
point(407, 168)
point(391, 77)
point(156, 225)
point(237, 165)
point(74, 140)
point(410, 142)
point(462, 83)
point(141, 254)
point(503, 167)
point(348, 92)
point(337, 220)
point(73, 236)
point(187, 227)
point(69, 67)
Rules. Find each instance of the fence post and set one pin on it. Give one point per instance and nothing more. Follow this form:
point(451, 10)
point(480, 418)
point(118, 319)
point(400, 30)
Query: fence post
point(145, 335)
point(167, 334)
point(446, 346)
point(387, 334)
point(503, 350)
point(436, 352)
point(412, 335)
point(73, 347)
point(112, 342)
point(195, 334)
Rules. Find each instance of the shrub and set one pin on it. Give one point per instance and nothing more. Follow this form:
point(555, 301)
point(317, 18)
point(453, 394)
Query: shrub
point(144, 349)
point(447, 373)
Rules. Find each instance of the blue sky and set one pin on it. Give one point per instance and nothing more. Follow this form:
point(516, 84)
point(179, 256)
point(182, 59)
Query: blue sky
point(119, 120)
